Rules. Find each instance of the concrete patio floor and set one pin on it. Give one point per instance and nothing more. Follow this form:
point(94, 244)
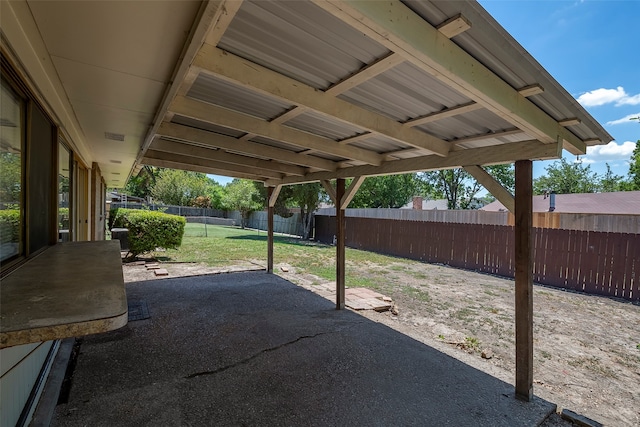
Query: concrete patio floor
point(250, 348)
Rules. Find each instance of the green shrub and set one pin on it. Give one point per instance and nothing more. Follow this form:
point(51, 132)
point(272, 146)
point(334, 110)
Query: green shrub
point(9, 225)
point(149, 230)
point(114, 214)
point(63, 218)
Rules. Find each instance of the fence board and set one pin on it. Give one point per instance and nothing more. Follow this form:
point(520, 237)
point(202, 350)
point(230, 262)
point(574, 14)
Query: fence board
point(593, 262)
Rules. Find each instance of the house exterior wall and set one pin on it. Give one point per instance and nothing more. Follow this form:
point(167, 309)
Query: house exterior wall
point(20, 368)
point(23, 368)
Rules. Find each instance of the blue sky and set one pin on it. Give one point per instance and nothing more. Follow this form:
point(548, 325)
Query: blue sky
point(593, 49)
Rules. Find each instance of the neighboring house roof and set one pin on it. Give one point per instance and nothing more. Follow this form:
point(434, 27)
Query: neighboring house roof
point(429, 205)
point(114, 196)
point(622, 202)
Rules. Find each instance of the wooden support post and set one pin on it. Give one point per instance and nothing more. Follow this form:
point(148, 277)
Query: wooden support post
point(340, 249)
point(270, 209)
point(524, 280)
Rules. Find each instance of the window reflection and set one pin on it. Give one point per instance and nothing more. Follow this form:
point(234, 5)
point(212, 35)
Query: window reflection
point(11, 131)
point(63, 193)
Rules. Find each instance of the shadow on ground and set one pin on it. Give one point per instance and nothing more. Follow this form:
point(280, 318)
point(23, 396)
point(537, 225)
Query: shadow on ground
point(254, 349)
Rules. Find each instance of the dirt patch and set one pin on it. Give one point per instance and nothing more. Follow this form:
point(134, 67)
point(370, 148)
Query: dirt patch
point(586, 348)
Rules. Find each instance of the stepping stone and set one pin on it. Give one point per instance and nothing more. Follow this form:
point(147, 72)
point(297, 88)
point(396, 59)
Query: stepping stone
point(161, 272)
point(356, 304)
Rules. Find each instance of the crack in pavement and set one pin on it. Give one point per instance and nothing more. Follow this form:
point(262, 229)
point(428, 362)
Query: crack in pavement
point(248, 359)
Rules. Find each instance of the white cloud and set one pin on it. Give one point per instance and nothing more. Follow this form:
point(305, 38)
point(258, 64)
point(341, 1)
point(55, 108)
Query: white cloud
point(611, 151)
point(630, 100)
point(624, 120)
point(604, 96)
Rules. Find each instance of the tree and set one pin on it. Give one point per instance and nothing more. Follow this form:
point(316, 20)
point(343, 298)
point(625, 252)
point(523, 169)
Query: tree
point(307, 197)
point(241, 195)
point(634, 168)
point(391, 191)
point(181, 188)
point(460, 188)
point(142, 184)
point(610, 182)
point(565, 178)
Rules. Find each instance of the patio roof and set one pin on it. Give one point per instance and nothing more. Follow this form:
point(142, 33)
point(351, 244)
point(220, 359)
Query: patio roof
point(289, 91)
point(286, 92)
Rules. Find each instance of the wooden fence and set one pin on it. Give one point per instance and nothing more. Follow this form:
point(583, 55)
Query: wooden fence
point(585, 221)
point(568, 221)
point(592, 262)
point(459, 216)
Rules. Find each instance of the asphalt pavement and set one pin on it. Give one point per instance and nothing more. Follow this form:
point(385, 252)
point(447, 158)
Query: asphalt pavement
point(252, 349)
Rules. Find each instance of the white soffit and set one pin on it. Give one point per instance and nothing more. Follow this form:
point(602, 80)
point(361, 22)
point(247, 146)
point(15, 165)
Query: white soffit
point(115, 61)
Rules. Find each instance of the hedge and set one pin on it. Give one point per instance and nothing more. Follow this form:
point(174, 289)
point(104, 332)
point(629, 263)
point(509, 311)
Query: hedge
point(149, 230)
point(9, 225)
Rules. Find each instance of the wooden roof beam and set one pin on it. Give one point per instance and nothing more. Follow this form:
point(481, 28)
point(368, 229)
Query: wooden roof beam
point(290, 114)
point(489, 135)
point(453, 26)
point(443, 114)
point(466, 108)
point(186, 133)
point(494, 187)
point(213, 20)
point(232, 119)
point(399, 29)
point(185, 149)
point(250, 75)
point(212, 164)
point(498, 154)
point(368, 72)
point(350, 192)
point(331, 192)
point(194, 168)
point(531, 90)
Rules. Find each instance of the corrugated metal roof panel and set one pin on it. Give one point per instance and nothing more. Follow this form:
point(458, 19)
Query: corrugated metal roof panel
point(509, 60)
point(330, 157)
point(404, 92)
point(464, 125)
point(493, 141)
point(228, 95)
point(380, 144)
point(277, 144)
point(320, 124)
point(188, 121)
point(299, 40)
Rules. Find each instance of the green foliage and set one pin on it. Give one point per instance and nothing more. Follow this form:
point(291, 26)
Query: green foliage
point(10, 177)
point(115, 215)
point(183, 188)
point(9, 225)
point(610, 182)
point(63, 218)
point(149, 230)
point(565, 178)
point(142, 184)
point(391, 191)
point(460, 188)
point(634, 168)
point(307, 197)
point(241, 195)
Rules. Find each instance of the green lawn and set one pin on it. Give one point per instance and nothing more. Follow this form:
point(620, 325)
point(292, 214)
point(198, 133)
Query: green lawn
point(220, 246)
